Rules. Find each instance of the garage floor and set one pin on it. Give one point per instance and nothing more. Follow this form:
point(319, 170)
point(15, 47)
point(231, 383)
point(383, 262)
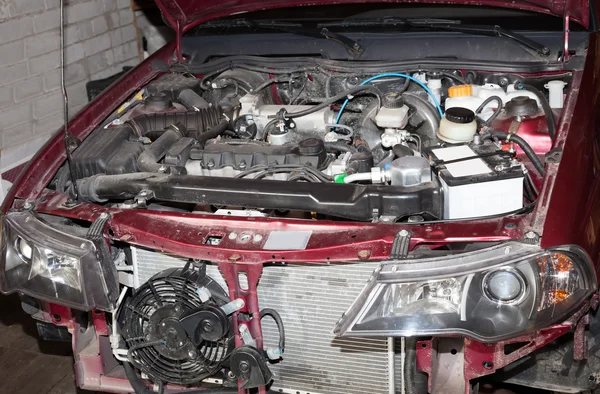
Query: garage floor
point(27, 364)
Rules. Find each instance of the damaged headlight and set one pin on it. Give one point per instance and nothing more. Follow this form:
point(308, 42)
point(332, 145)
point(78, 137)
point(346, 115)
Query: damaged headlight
point(489, 295)
point(49, 264)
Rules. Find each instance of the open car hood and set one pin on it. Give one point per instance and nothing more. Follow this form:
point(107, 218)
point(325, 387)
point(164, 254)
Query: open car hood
point(182, 15)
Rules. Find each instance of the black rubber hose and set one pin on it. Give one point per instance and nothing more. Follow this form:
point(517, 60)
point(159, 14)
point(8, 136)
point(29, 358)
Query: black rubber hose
point(545, 106)
point(535, 160)
point(455, 77)
point(340, 147)
point(213, 132)
point(217, 390)
point(528, 191)
point(489, 120)
point(136, 382)
point(404, 86)
point(140, 388)
point(149, 158)
point(410, 365)
point(334, 99)
point(275, 315)
point(195, 122)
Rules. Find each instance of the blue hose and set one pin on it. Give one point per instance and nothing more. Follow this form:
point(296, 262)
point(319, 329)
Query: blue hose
point(399, 75)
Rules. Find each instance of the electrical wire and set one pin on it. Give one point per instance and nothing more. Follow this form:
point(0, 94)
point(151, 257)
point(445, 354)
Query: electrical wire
point(271, 81)
point(353, 91)
point(349, 129)
point(398, 75)
point(535, 160)
point(289, 167)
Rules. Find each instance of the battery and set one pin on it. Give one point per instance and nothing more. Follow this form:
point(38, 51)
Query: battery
point(478, 180)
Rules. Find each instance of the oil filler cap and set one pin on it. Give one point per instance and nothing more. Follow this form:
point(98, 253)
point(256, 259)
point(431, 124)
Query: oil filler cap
point(460, 115)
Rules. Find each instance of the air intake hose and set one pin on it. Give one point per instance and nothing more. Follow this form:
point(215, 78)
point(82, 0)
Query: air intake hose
point(201, 125)
point(195, 122)
point(148, 160)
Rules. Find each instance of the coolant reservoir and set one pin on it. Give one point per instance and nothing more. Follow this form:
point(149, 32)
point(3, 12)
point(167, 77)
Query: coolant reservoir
point(472, 96)
point(458, 125)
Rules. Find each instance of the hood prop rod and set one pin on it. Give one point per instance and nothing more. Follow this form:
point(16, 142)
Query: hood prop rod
point(67, 138)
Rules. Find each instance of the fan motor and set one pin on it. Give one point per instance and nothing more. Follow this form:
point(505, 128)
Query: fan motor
point(177, 326)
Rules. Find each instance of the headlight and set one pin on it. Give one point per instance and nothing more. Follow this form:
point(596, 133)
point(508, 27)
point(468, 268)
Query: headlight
point(46, 263)
point(489, 295)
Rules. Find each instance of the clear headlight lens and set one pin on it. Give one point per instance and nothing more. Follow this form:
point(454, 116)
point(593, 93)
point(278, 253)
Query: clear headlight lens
point(489, 295)
point(44, 262)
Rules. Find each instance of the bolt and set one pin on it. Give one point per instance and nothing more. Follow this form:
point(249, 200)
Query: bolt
point(404, 233)
point(245, 237)
point(232, 236)
point(211, 164)
point(244, 366)
point(230, 375)
point(530, 235)
point(292, 125)
point(207, 326)
point(192, 354)
point(27, 205)
point(258, 238)
point(180, 343)
point(364, 254)
point(242, 164)
point(234, 257)
point(177, 308)
point(104, 215)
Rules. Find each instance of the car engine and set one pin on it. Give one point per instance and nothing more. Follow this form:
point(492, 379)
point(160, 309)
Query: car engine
point(415, 146)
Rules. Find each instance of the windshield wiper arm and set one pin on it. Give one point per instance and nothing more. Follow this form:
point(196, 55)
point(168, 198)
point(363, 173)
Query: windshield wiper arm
point(319, 32)
point(443, 24)
point(287, 27)
point(493, 30)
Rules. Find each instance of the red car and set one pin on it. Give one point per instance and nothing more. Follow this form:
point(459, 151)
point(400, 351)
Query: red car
point(328, 197)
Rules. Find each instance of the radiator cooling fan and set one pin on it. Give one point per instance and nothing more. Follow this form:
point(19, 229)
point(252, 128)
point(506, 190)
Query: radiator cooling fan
point(175, 326)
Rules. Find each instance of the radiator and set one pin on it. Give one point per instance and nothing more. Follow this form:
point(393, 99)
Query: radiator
point(311, 299)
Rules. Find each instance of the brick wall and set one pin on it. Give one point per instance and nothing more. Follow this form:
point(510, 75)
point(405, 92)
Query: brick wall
point(100, 39)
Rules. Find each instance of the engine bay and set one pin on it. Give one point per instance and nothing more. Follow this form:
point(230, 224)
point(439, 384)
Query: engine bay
point(410, 146)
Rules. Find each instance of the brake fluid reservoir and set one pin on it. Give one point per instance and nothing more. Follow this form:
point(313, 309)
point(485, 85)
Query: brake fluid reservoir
point(458, 125)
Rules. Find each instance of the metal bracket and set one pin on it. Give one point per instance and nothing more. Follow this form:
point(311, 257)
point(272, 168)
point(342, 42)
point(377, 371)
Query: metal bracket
point(96, 230)
point(531, 238)
point(401, 245)
point(566, 56)
point(553, 156)
point(142, 197)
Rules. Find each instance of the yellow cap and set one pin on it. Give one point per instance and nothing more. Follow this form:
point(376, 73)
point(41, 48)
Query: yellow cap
point(460, 90)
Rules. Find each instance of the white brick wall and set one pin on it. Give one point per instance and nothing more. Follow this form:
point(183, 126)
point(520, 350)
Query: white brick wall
point(100, 39)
